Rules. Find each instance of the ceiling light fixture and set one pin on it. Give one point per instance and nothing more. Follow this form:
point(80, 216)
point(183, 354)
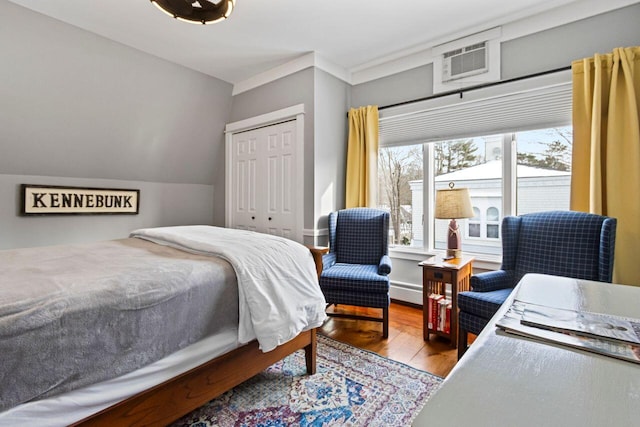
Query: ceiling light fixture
point(196, 11)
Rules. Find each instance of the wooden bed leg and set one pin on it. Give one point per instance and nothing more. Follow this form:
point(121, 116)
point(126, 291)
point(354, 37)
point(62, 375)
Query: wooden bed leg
point(310, 354)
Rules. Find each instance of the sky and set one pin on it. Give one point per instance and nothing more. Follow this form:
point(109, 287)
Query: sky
point(529, 141)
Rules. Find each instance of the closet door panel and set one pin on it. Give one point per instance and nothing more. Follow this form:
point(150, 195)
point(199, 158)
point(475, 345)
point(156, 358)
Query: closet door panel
point(245, 164)
point(281, 152)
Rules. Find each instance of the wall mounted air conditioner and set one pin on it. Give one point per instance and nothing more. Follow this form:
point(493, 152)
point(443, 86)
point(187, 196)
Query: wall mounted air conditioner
point(465, 61)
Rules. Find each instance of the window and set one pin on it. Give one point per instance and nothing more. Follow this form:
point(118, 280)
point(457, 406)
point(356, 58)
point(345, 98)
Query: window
point(400, 175)
point(493, 223)
point(409, 175)
point(475, 164)
point(474, 223)
point(505, 143)
point(544, 169)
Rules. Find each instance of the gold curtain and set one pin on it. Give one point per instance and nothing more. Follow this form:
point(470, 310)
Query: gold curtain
point(362, 157)
point(605, 177)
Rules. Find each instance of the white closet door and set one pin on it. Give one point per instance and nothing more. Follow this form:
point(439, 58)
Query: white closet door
point(245, 170)
point(264, 184)
point(280, 179)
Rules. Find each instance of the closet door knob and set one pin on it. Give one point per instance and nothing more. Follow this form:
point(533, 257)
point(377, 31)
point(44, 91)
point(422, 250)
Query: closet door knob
point(269, 218)
point(253, 217)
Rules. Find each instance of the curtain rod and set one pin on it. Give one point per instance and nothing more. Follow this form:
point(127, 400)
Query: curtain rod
point(470, 88)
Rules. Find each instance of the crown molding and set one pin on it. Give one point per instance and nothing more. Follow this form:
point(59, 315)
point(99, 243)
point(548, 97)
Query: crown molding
point(516, 26)
point(311, 59)
point(298, 64)
point(333, 69)
point(562, 15)
point(401, 61)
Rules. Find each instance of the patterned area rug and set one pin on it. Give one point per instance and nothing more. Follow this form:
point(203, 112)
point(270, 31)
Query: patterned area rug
point(352, 387)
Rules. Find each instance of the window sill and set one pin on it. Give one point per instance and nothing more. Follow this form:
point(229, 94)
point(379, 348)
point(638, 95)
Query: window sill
point(482, 261)
point(413, 254)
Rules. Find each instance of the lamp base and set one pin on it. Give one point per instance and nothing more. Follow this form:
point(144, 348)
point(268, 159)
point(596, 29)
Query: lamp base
point(454, 253)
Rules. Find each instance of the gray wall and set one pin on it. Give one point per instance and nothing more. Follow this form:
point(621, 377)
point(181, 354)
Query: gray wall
point(558, 47)
point(160, 204)
point(405, 86)
point(330, 146)
point(76, 107)
point(296, 88)
point(542, 51)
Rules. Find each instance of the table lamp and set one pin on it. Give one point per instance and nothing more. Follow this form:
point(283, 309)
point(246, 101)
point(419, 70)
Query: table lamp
point(453, 203)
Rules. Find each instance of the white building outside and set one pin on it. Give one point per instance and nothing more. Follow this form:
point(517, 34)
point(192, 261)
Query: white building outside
point(537, 190)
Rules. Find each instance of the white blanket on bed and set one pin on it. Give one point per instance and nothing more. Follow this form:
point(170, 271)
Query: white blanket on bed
point(277, 280)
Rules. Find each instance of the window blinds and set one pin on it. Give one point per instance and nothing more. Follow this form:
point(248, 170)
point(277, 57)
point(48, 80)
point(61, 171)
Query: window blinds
point(536, 103)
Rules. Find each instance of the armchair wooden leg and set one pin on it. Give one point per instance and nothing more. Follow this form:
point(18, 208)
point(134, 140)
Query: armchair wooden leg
point(385, 322)
point(462, 343)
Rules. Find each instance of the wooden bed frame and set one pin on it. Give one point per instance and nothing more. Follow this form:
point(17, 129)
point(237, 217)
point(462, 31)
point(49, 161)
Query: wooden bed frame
point(180, 395)
point(176, 397)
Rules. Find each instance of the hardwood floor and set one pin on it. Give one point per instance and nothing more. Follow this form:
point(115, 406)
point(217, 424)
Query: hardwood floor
point(405, 343)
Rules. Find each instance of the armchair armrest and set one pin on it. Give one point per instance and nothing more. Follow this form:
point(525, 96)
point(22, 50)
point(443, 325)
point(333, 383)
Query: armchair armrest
point(328, 259)
point(384, 267)
point(492, 281)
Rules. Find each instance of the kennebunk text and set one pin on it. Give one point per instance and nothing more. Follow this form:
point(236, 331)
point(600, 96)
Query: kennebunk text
point(68, 200)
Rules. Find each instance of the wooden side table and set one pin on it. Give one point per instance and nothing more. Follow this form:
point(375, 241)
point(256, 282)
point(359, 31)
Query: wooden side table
point(436, 274)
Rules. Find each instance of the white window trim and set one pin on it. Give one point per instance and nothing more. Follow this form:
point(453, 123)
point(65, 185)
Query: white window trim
point(481, 261)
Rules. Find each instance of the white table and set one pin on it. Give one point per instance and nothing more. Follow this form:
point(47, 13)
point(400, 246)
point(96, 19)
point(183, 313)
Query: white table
point(504, 380)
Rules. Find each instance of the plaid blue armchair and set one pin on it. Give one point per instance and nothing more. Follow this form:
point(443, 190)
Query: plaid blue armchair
point(560, 243)
point(356, 269)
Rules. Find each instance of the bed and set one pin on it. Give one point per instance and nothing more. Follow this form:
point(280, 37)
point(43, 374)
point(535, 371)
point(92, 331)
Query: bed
point(142, 330)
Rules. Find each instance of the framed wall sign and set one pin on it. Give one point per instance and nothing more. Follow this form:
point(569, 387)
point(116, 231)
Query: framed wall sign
point(56, 200)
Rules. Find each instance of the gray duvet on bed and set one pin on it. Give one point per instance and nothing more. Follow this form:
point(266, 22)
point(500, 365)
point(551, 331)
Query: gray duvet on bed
point(79, 314)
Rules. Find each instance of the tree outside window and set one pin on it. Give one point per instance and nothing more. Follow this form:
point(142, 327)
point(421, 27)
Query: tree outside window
point(544, 169)
point(397, 167)
point(451, 156)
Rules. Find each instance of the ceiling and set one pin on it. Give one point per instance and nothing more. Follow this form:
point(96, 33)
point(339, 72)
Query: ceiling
point(263, 34)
